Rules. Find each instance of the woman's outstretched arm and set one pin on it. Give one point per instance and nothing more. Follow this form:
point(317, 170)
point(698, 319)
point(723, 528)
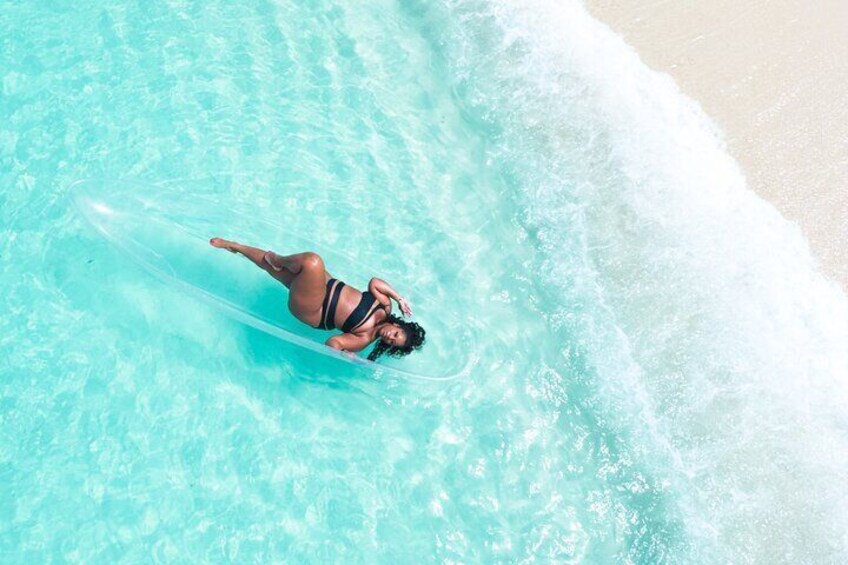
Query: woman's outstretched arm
point(383, 291)
point(348, 342)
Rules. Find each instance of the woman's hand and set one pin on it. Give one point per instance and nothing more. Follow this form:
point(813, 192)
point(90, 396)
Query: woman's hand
point(384, 292)
point(404, 306)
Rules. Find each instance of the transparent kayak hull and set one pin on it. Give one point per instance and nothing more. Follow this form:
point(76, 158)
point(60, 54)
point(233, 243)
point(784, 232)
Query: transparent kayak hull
point(166, 230)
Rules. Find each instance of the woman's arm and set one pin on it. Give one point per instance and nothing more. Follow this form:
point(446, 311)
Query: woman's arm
point(383, 291)
point(348, 342)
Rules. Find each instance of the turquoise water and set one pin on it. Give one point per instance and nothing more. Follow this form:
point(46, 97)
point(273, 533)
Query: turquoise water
point(661, 367)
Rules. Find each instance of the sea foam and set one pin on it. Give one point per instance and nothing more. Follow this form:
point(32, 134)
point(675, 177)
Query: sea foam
point(719, 348)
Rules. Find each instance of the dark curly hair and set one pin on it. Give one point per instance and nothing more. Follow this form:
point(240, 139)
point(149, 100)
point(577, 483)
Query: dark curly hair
point(414, 340)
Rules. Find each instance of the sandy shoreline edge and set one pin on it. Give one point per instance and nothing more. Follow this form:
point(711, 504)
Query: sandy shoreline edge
point(773, 74)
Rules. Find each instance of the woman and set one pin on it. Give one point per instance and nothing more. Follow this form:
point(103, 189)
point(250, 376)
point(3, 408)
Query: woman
point(319, 300)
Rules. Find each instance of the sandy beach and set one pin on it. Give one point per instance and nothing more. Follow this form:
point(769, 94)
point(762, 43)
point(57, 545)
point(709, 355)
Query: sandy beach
point(774, 76)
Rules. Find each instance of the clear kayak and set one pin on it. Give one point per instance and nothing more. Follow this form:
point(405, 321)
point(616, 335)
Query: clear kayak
point(158, 227)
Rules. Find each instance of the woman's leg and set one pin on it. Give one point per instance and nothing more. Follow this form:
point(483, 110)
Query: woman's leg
point(285, 272)
point(302, 273)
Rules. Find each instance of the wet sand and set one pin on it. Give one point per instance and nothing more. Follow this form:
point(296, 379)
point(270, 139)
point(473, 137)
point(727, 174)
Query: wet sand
point(774, 75)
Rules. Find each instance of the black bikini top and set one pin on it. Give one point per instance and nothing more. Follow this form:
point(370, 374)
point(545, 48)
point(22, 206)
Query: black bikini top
point(363, 311)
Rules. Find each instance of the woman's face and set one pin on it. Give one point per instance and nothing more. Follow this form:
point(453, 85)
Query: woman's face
point(393, 334)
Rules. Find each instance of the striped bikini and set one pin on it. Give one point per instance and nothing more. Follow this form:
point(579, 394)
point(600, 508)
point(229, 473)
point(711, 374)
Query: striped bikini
point(359, 316)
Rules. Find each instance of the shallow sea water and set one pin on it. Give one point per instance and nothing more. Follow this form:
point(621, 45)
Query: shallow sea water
point(660, 366)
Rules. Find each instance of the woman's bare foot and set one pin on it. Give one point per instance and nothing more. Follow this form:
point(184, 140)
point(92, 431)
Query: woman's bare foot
point(223, 244)
point(272, 259)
